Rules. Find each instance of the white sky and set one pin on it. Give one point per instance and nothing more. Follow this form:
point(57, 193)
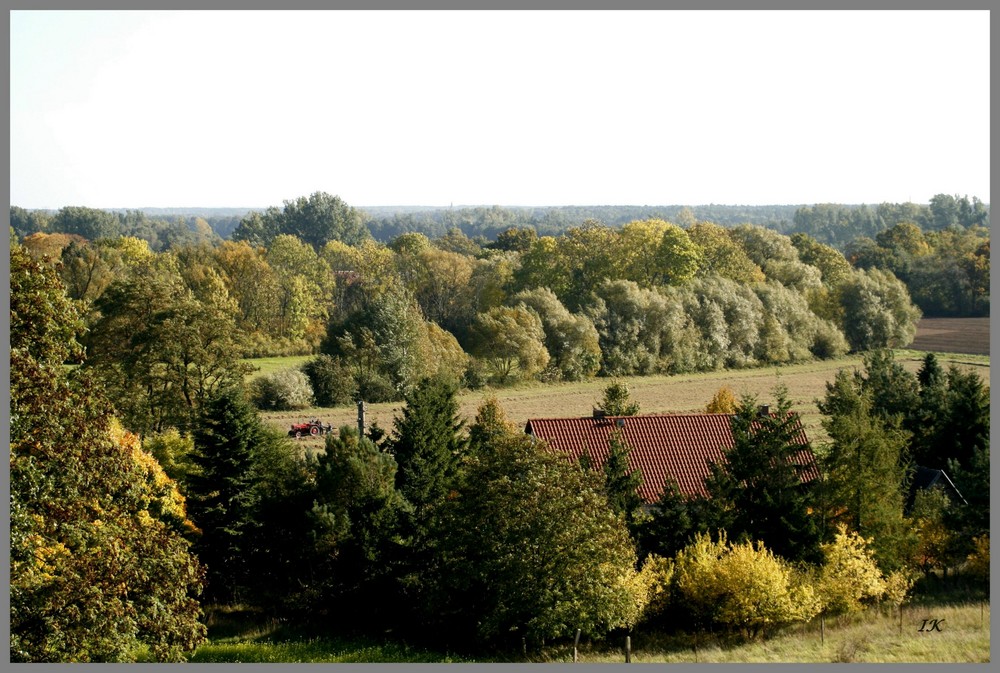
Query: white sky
point(249, 109)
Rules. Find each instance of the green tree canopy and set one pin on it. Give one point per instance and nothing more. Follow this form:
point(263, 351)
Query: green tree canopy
point(532, 550)
point(316, 220)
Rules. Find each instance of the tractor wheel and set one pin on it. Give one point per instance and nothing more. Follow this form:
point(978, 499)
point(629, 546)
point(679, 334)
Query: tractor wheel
point(314, 431)
point(298, 434)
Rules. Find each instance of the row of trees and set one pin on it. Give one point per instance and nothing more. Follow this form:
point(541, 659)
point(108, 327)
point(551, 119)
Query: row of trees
point(833, 224)
point(947, 272)
point(433, 530)
point(940, 251)
point(166, 329)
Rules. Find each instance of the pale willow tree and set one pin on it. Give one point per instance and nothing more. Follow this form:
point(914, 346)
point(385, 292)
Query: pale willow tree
point(511, 341)
point(571, 339)
point(643, 331)
point(877, 311)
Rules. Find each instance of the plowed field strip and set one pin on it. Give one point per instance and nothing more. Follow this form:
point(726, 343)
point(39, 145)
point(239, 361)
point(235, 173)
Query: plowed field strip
point(953, 335)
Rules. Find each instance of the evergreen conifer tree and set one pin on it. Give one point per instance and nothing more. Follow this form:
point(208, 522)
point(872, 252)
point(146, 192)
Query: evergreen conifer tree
point(757, 493)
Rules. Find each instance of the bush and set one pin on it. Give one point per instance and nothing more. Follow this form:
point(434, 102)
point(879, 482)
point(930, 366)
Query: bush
point(741, 586)
point(282, 391)
point(978, 566)
point(655, 577)
point(850, 578)
point(723, 402)
point(331, 381)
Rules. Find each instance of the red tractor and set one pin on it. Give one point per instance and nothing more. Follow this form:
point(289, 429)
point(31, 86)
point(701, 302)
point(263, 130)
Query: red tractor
point(315, 428)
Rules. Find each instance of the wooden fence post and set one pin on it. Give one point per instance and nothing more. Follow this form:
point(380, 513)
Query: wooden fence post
point(576, 643)
point(628, 649)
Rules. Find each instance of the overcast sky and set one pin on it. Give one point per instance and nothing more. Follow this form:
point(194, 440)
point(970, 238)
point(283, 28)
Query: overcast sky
point(249, 109)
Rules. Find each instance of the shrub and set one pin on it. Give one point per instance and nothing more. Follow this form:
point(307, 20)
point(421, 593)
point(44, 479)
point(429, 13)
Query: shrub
point(724, 402)
point(741, 586)
point(978, 566)
point(331, 381)
point(655, 577)
point(617, 401)
point(172, 451)
point(282, 391)
point(849, 578)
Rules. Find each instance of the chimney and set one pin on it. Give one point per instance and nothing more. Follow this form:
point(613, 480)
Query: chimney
point(361, 418)
point(599, 413)
point(765, 410)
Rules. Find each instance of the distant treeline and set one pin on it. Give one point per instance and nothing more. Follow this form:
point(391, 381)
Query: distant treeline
point(833, 224)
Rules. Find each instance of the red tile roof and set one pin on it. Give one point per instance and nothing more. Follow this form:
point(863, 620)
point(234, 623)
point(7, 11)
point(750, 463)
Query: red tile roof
point(679, 446)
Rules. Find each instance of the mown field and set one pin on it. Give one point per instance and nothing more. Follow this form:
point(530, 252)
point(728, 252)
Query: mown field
point(805, 382)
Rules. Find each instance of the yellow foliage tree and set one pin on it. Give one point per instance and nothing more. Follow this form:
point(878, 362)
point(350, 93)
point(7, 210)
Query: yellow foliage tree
point(724, 402)
point(742, 586)
point(849, 578)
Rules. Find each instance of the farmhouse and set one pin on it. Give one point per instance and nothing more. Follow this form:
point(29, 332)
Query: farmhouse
point(670, 446)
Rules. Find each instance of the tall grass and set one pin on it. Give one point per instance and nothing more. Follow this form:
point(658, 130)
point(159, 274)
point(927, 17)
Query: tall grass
point(873, 636)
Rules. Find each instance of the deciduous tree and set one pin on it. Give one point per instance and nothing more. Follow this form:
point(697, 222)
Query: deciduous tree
point(99, 566)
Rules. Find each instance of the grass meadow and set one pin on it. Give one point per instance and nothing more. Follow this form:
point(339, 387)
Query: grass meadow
point(878, 635)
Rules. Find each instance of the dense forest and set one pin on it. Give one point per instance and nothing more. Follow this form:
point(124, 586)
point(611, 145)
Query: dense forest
point(145, 487)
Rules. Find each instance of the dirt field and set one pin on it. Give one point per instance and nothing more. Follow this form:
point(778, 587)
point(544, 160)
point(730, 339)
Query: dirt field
point(656, 394)
point(953, 335)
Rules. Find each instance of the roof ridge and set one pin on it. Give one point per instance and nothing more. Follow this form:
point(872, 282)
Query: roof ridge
point(665, 414)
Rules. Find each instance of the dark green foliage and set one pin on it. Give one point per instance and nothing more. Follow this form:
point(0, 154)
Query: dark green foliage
point(894, 391)
point(355, 523)
point(97, 567)
point(331, 381)
point(620, 482)
point(970, 518)
point(966, 426)
point(91, 223)
point(222, 495)
point(865, 468)
point(427, 444)
point(428, 449)
point(671, 524)
point(529, 549)
point(243, 499)
point(26, 222)
point(757, 492)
